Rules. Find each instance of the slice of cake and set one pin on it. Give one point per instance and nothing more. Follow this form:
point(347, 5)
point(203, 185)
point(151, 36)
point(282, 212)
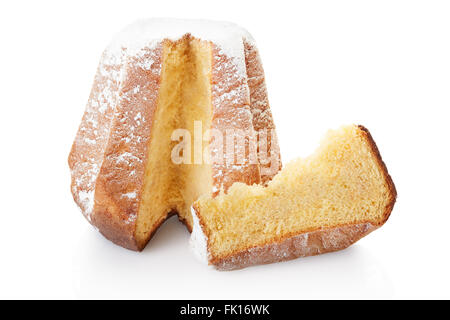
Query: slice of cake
point(323, 203)
point(166, 96)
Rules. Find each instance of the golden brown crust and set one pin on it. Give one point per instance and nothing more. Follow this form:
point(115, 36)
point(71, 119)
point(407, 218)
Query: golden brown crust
point(302, 245)
point(262, 116)
point(126, 153)
point(118, 150)
point(231, 111)
point(311, 242)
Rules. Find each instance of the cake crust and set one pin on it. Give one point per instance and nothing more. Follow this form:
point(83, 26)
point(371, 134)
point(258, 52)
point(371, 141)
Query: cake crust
point(262, 115)
point(302, 245)
point(311, 242)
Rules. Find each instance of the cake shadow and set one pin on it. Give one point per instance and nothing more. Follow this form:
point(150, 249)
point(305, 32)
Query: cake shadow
point(104, 270)
point(352, 273)
point(168, 234)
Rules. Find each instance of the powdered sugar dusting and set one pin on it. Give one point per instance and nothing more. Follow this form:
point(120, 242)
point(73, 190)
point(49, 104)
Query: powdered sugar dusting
point(149, 32)
point(86, 199)
point(198, 241)
point(94, 130)
point(130, 195)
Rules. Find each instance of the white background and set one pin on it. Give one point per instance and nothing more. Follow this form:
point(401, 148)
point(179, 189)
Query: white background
point(383, 64)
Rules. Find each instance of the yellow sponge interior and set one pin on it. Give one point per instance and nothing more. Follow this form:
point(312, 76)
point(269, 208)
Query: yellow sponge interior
point(184, 97)
point(343, 182)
